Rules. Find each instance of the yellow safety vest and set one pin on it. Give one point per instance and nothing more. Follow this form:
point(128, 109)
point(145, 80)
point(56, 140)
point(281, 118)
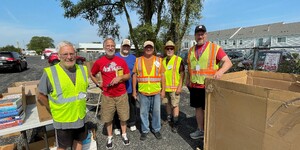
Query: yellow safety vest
point(67, 101)
point(149, 83)
point(205, 65)
point(172, 75)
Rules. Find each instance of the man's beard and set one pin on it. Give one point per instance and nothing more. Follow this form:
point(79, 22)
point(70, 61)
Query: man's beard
point(110, 53)
point(200, 42)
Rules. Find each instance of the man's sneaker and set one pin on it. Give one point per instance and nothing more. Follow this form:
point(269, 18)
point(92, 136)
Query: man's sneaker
point(197, 134)
point(133, 128)
point(175, 129)
point(109, 143)
point(158, 135)
point(143, 136)
point(169, 118)
point(117, 131)
point(125, 140)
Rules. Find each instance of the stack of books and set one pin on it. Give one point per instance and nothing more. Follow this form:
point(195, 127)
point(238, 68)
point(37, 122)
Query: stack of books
point(11, 111)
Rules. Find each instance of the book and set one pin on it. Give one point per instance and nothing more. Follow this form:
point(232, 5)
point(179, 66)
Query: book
point(8, 108)
point(11, 113)
point(10, 124)
point(11, 96)
point(13, 118)
point(11, 102)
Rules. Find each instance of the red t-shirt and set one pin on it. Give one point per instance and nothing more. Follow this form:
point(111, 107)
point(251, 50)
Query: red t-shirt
point(198, 51)
point(107, 68)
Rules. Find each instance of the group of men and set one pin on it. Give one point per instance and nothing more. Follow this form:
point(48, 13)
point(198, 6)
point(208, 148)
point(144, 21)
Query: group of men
point(148, 79)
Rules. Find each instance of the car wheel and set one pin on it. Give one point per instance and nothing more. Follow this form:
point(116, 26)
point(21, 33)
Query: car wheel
point(54, 62)
point(19, 68)
point(79, 62)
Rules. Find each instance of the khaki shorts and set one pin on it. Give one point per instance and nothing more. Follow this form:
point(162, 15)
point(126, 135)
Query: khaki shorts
point(172, 98)
point(109, 105)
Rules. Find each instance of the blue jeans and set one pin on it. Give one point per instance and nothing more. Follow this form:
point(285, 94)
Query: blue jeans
point(150, 104)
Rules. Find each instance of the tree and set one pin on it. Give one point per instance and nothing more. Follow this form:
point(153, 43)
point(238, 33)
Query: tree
point(10, 48)
point(40, 43)
point(184, 13)
point(172, 17)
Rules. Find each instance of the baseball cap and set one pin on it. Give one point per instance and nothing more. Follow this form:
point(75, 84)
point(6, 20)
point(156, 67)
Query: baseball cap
point(170, 43)
point(126, 42)
point(148, 43)
point(200, 28)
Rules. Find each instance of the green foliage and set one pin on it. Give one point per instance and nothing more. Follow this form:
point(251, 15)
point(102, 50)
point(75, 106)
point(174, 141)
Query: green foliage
point(10, 48)
point(171, 18)
point(40, 43)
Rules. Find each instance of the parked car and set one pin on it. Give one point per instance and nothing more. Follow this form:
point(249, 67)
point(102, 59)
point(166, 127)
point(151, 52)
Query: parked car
point(12, 60)
point(235, 56)
point(285, 57)
point(53, 59)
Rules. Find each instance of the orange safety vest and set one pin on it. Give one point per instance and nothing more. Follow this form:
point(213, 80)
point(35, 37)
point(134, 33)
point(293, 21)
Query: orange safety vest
point(205, 65)
point(149, 83)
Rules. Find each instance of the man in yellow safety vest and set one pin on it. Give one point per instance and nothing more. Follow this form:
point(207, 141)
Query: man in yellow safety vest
point(203, 61)
point(174, 76)
point(148, 72)
point(63, 89)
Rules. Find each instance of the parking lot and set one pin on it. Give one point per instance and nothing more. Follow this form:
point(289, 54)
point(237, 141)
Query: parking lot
point(170, 140)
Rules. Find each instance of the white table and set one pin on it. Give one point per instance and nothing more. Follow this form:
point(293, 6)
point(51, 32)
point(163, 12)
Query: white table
point(31, 121)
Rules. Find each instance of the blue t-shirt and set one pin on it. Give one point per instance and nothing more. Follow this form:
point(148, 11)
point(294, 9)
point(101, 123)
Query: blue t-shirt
point(130, 60)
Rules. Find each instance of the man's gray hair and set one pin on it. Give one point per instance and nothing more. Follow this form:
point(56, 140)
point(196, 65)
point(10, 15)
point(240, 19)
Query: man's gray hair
point(64, 43)
point(107, 40)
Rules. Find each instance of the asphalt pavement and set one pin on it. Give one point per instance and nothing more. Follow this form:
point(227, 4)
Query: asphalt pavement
point(169, 141)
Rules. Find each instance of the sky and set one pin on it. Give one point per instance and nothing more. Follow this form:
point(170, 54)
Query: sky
point(20, 20)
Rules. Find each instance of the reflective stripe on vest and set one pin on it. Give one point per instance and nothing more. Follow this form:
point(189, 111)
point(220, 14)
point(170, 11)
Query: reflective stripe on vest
point(60, 99)
point(172, 76)
point(148, 83)
point(207, 63)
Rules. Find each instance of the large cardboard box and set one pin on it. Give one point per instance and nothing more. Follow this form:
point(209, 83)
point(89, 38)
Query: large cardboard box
point(253, 110)
point(29, 87)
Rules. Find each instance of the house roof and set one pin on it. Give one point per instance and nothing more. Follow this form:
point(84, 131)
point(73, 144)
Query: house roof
point(275, 29)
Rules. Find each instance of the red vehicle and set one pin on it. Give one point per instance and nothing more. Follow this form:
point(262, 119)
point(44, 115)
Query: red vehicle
point(53, 59)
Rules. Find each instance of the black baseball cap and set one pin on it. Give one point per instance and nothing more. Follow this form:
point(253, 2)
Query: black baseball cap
point(200, 28)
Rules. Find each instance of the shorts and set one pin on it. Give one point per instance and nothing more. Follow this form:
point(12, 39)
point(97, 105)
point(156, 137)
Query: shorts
point(197, 97)
point(65, 137)
point(171, 98)
point(109, 105)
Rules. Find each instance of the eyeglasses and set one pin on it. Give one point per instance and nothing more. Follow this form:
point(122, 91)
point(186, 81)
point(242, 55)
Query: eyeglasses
point(66, 55)
point(169, 49)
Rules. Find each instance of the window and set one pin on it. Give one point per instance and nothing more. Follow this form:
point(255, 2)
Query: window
point(241, 42)
point(260, 42)
point(225, 42)
point(233, 43)
point(281, 40)
point(186, 45)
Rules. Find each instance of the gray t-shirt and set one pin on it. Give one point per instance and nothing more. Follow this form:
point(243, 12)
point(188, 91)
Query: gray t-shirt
point(46, 88)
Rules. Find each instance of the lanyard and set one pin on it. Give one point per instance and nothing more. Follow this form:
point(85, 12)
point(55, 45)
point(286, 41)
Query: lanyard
point(200, 50)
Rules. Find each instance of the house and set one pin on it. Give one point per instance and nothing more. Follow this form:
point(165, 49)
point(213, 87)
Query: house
point(270, 36)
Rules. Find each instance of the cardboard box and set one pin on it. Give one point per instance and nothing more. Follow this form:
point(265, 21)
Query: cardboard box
point(43, 112)
point(29, 87)
point(9, 147)
point(251, 110)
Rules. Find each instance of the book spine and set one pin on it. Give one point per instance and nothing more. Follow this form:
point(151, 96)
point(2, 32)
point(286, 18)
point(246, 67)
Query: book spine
point(8, 108)
point(9, 114)
point(11, 124)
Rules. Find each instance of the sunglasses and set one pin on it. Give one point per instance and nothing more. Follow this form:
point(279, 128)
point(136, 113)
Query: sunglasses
point(169, 49)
